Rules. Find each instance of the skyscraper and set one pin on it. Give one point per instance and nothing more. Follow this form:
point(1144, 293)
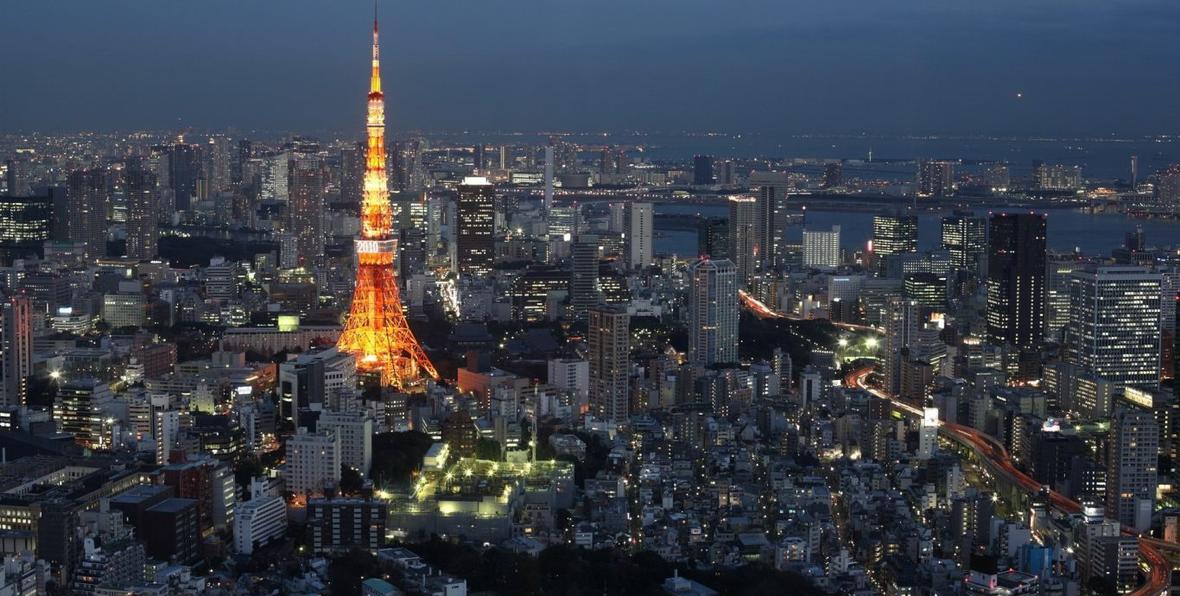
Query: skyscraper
point(702, 170)
point(638, 230)
point(936, 178)
point(745, 237)
point(821, 248)
point(1114, 324)
point(773, 221)
point(1132, 467)
point(609, 341)
point(88, 211)
point(712, 312)
point(475, 218)
point(305, 207)
point(184, 170)
point(16, 349)
point(352, 173)
point(894, 235)
point(584, 288)
point(377, 333)
point(964, 237)
point(143, 211)
point(1016, 280)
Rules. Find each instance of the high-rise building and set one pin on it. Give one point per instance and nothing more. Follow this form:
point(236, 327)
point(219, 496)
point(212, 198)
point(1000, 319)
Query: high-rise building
point(928, 433)
point(1058, 177)
point(1114, 324)
point(1167, 189)
point(1016, 280)
point(821, 248)
point(77, 413)
point(184, 173)
point(89, 199)
point(338, 525)
point(1132, 467)
point(305, 207)
point(313, 461)
point(17, 176)
point(352, 173)
point(475, 218)
point(773, 218)
point(16, 349)
point(584, 288)
point(355, 430)
point(25, 224)
point(259, 521)
point(143, 211)
point(712, 312)
point(964, 236)
point(894, 234)
point(609, 340)
point(833, 174)
point(638, 225)
point(171, 531)
point(377, 333)
point(702, 170)
point(1058, 278)
point(745, 237)
point(936, 178)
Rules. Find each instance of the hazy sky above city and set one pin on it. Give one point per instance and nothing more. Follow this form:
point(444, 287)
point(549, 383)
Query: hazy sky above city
point(771, 66)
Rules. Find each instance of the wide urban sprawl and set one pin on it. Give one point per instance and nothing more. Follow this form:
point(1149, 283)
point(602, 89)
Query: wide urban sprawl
point(579, 363)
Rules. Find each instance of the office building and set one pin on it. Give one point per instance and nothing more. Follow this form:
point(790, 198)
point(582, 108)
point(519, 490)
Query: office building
point(1057, 177)
point(313, 462)
point(936, 178)
point(1114, 324)
point(609, 342)
point(772, 215)
point(964, 237)
point(170, 531)
point(1016, 280)
point(712, 312)
point(475, 219)
point(745, 237)
point(355, 431)
point(584, 287)
point(1131, 467)
point(25, 224)
point(259, 521)
point(336, 526)
point(638, 230)
point(1058, 279)
point(821, 249)
point(184, 174)
point(76, 410)
point(894, 235)
point(702, 170)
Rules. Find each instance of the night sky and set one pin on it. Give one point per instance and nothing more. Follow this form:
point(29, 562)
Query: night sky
point(770, 66)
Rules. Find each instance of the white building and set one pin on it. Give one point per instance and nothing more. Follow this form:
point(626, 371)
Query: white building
point(313, 460)
point(570, 373)
point(355, 431)
point(637, 233)
point(1114, 324)
point(166, 431)
point(259, 521)
point(821, 248)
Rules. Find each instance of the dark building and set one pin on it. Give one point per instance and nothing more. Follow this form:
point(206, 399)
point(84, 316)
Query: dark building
point(89, 198)
point(1016, 280)
point(702, 170)
point(936, 178)
point(25, 224)
point(833, 174)
point(475, 240)
point(56, 534)
point(134, 502)
point(339, 525)
point(170, 530)
point(352, 174)
point(713, 237)
point(460, 434)
point(964, 237)
point(894, 235)
point(184, 172)
point(143, 211)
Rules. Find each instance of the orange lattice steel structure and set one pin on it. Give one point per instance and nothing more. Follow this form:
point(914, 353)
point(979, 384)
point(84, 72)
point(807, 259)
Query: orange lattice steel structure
point(377, 332)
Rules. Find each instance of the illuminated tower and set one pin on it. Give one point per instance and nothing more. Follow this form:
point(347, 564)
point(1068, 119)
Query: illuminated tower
point(377, 332)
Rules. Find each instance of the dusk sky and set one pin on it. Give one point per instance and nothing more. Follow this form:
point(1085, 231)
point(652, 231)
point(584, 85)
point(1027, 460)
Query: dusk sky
point(771, 66)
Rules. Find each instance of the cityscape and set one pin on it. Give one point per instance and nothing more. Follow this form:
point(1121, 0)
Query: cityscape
point(396, 360)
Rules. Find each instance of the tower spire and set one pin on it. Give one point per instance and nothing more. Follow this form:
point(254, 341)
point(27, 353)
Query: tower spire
point(377, 332)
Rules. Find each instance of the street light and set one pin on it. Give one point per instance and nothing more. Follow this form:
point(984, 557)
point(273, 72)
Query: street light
point(871, 343)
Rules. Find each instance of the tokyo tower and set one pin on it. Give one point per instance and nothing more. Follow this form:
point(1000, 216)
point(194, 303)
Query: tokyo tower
point(377, 332)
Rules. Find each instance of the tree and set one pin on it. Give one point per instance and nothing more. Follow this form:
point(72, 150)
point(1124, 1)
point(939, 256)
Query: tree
point(351, 482)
